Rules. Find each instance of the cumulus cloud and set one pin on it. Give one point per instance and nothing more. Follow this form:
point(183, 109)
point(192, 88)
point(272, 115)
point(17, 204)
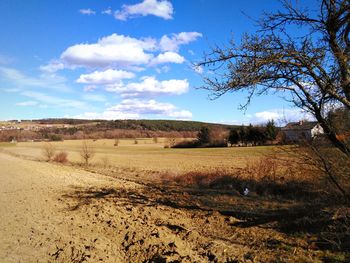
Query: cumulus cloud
point(123, 52)
point(136, 109)
point(115, 49)
point(161, 8)
point(87, 11)
point(52, 67)
point(174, 42)
point(150, 86)
point(27, 103)
point(150, 107)
point(106, 115)
point(281, 116)
point(108, 76)
point(167, 57)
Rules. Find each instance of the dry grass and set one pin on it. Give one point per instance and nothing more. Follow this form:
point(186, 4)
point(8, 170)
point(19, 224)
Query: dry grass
point(48, 151)
point(284, 198)
point(146, 155)
point(61, 157)
point(267, 176)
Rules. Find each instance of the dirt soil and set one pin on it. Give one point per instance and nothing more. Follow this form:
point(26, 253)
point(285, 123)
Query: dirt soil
point(55, 213)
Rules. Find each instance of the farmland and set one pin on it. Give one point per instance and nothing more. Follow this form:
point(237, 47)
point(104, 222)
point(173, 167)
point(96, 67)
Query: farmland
point(129, 208)
point(148, 155)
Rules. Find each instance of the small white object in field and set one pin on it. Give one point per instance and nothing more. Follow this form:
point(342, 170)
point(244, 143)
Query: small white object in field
point(246, 191)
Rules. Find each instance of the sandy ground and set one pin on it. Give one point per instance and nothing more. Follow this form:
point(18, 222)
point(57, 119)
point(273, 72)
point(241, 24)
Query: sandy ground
point(54, 213)
point(34, 222)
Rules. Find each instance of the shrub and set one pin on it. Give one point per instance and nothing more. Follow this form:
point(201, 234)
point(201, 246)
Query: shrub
point(55, 137)
point(48, 151)
point(266, 177)
point(186, 144)
point(233, 137)
point(61, 157)
point(169, 142)
point(105, 162)
point(116, 142)
point(87, 152)
point(204, 135)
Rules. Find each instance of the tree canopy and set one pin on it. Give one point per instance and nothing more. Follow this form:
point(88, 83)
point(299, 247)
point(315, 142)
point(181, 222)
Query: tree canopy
point(313, 67)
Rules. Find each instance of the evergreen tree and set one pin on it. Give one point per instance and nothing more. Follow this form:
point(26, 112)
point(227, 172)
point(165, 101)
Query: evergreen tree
point(271, 130)
point(233, 137)
point(204, 135)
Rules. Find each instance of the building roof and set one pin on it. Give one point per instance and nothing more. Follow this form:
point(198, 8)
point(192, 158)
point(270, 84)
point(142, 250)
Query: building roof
point(300, 126)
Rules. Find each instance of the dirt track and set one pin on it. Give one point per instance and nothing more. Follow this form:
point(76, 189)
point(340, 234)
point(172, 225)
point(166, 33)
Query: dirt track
point(52, 213)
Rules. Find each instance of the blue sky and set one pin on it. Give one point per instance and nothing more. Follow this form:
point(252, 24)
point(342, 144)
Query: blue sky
point(119, 59)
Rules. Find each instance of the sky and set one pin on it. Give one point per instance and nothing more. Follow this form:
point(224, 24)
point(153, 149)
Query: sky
point(120, 59)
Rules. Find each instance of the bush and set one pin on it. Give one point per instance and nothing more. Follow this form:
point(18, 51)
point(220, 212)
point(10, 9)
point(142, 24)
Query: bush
point(105, 162)
point(61, 157)
point(48, 151)
point(169, 142)
point(186, 144)
point(265, 177)
point(87, 152)
point(55, 137)
point(204, 135)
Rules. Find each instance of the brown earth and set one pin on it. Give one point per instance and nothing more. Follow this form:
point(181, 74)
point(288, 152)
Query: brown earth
point(54, 213)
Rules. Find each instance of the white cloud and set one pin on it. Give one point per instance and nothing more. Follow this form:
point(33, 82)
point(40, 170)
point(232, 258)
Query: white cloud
point(27, 103)
point(90, 88)
point(87, 11)
point(123, 52)
point(181, 115)
point(163, 69)
point(281, 116)
point(268, 115)
point(108, 76)
point(11, 90)
point(135, 109)
point(106, 115)
point(107, 11)
point(52, 67)
point(118, 50)
point(54, 101)
point(94, 97)
point(6, 59)
point(47, 81)
point(167, 57)
point(150, 86)
point(161, 8)
point(198, 69)
point(174, 42)
point(146, 107)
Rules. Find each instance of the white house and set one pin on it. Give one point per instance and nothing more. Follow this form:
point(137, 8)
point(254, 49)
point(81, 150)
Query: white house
point(302, 131)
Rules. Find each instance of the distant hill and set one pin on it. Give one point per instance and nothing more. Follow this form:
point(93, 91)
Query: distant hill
point(58, 129)
point(151, 125)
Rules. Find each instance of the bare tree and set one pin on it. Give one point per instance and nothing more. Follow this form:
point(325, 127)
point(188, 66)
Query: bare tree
point(312, 67)
point(48, 151)
point(87, 152)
